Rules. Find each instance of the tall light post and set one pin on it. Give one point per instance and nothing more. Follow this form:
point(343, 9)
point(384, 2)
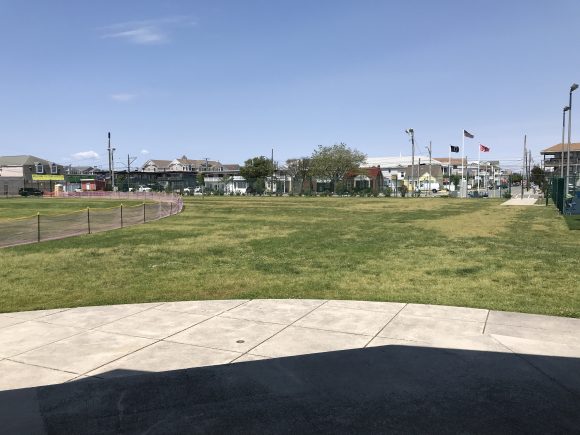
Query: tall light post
point(411, 134)
point(429, 148)
point(564, 110)
point(111, 162)
point(572, 89)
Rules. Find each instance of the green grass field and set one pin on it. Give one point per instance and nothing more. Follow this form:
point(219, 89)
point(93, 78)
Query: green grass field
point(472, 253)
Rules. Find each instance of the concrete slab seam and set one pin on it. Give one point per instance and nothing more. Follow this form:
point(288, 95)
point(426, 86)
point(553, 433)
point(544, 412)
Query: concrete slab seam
point(46, 344)
point(485, 324)
point(333, 330)
point(522, 356)
point(203, 321)
point(41, 366)
point(155, 341)
point(40, 317)
point(383, 328)
point(210, 300)
point(283, 329)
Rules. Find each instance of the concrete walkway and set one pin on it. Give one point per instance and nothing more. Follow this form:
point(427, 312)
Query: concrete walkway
point(497, 359)
point(520, 201)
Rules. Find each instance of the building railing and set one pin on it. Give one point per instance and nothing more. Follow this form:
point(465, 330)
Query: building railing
point(42, 227)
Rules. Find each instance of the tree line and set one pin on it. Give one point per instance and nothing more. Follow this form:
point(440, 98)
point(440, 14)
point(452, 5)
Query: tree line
point(328, 164)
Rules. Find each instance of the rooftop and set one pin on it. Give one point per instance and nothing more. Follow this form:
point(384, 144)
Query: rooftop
point(558, 148)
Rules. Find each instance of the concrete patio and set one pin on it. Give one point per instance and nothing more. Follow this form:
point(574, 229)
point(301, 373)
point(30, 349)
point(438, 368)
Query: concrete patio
point(111, 345)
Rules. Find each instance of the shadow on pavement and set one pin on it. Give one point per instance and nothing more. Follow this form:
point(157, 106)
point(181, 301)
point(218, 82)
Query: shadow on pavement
point(374, 390)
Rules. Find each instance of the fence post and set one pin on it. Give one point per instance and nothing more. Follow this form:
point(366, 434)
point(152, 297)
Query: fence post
point(121, 215)
point(89, 219)
point(38, 227)
point(170, 208)
point(144, 213)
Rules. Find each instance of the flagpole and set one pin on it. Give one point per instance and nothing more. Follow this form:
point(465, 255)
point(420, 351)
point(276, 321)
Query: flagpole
point(463, 160)
point(478, 164)
point(449, 170)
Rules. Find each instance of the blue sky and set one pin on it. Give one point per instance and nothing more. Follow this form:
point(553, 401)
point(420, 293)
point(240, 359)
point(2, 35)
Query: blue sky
point(230, 80)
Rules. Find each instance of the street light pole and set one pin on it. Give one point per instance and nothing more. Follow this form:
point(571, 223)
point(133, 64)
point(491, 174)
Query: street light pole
point(111, 162)
point(429, 149)
point(411, 133)
point(572, 89)
point(564, 110)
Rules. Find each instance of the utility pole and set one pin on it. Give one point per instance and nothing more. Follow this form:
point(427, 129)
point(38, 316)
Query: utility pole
point(429, 149)
point(272, 179)
point(129, 161)
point(529, 167)
point(111, 162)
point(206, 167)
point(524, 164)
point(411, 133)
point(419, 176)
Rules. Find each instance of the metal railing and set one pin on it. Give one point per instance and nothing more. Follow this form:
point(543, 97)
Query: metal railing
point(42, 227)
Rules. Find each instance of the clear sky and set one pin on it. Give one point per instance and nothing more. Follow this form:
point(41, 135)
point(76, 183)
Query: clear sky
point(229, 80)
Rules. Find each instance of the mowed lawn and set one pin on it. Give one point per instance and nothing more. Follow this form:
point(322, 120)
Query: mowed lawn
point(473, 253)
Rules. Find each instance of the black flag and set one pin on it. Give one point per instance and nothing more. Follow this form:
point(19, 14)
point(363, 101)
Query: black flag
point(454, 149)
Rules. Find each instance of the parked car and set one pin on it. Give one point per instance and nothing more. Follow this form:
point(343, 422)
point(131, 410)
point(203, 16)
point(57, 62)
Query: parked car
point(29, 191)
point(144, 189)
point(476, 194)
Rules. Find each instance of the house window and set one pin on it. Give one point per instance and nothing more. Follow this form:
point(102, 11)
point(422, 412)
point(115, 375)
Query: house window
point(39, 168)
point(53, 168)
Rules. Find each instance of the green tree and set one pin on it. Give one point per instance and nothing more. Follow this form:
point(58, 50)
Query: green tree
point(200, 180)
point(255, 171)
point(517, 178)
point(334, 162)
point(455, 179)
point(539, 176)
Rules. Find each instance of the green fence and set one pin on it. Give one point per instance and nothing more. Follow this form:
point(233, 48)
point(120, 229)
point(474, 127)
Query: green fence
point(565, 193)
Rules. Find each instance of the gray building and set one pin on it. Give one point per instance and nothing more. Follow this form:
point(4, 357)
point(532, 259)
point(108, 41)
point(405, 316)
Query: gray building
point(28, 171)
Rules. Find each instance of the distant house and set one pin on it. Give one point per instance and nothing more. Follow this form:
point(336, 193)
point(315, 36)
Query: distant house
point(451, 165)
point(156, 166)
point(188, 165)
point(365, 178)
point(556, 158)
point(28, 171)
point(177, 174)
point(395, 169)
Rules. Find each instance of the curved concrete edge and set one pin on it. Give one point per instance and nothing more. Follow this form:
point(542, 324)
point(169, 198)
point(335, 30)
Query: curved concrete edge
point(55, 346)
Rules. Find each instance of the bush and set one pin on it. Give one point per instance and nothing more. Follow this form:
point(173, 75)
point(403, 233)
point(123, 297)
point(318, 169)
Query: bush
point(507, 195)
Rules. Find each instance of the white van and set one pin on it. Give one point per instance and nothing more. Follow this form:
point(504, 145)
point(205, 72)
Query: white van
point(434, 186)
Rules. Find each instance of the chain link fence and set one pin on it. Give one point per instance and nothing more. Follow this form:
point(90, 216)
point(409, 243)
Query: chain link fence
point(44, 227)
point(565, 193)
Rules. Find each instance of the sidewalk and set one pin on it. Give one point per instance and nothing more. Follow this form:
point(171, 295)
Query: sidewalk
point(489, 356)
